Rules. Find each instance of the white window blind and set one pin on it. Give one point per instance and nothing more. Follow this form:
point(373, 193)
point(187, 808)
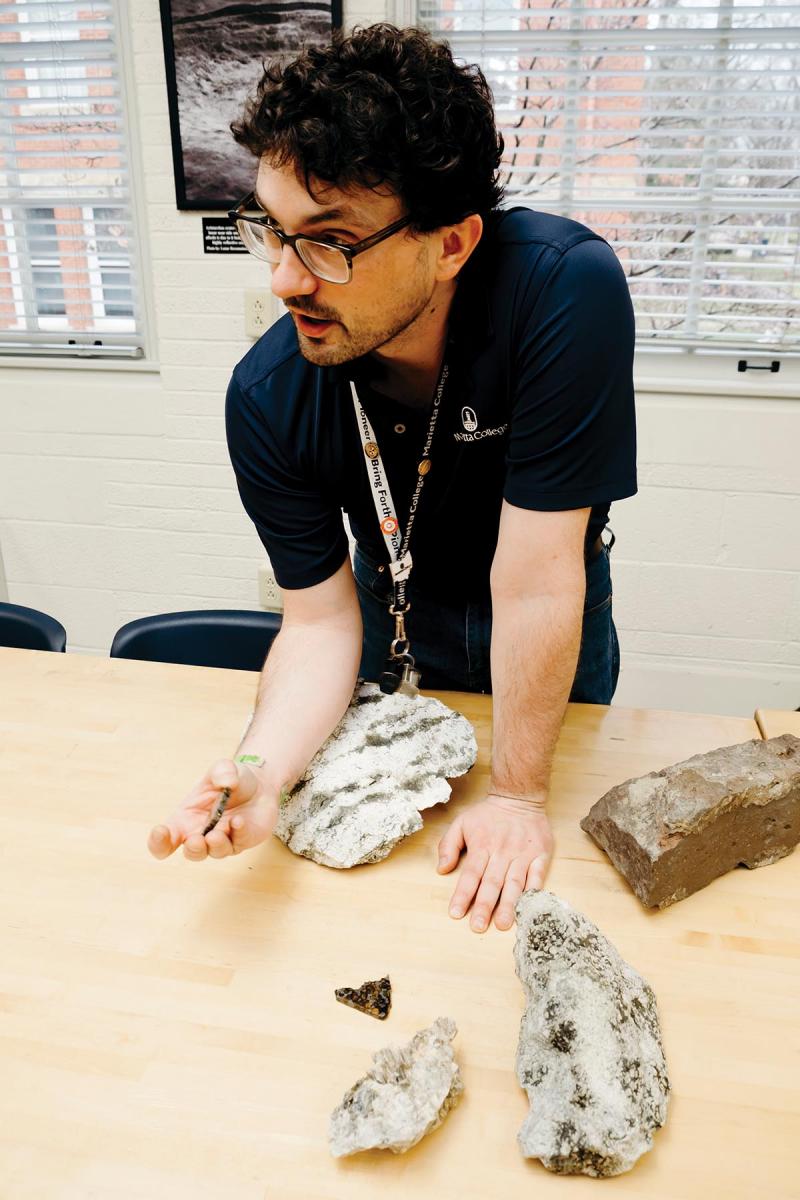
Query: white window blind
point(670, 128)
point(68, 279)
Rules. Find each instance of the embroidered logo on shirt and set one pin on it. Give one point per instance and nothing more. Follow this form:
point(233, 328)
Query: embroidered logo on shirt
point(481, 434)
point(469, 419)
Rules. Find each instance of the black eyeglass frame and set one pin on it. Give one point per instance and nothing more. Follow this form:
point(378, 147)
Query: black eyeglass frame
point(291, 239)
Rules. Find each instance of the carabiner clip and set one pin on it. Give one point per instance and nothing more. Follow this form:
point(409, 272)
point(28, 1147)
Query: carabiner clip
point(400, 644)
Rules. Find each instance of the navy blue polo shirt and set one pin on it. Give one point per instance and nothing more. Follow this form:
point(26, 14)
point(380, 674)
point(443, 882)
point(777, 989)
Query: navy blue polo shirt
point(538, 410)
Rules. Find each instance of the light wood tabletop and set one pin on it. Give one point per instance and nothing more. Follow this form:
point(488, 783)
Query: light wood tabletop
point(772, 722)
point(169, 1029)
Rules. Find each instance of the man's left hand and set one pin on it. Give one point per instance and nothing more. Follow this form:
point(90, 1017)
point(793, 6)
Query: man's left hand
point(509, 848)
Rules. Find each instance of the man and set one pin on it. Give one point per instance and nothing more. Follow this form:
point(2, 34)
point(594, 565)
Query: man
point(410, 293)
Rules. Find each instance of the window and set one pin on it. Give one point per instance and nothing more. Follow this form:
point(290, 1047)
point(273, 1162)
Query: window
point(672, 129)
point(68, 263)
point(110, 262)
point(48, 285)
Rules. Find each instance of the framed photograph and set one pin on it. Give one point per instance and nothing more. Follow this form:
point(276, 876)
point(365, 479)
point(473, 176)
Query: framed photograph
point(214, 54)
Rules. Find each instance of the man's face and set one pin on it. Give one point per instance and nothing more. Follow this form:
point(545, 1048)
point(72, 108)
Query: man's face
point(393, 282)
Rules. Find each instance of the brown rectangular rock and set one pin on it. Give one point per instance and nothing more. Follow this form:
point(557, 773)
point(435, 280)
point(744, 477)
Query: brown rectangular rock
point(673, 831)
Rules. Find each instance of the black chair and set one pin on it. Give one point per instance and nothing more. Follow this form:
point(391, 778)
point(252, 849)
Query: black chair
point(221, 637)
point(29, 629)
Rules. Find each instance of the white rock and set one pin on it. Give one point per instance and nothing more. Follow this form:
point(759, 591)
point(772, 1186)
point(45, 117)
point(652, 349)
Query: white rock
point(590, 1054)
point(388, 758)
point(407, 1092)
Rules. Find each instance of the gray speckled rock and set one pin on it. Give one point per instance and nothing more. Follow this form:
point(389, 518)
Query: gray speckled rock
point(388, 758)
point(673, 831)
point(590, 1054)
point(407, 1092)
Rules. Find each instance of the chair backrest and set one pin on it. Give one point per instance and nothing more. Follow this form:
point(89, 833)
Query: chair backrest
point(29, 629)
point(220, 637)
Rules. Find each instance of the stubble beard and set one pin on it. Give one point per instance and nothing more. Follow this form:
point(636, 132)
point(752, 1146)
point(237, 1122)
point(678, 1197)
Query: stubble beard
point(360, 339)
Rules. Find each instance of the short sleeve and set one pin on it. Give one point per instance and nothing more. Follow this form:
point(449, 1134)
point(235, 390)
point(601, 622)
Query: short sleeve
point(301, 529)
point(572, 441)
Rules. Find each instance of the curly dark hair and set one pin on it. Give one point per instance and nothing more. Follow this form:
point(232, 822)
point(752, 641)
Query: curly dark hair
point(382, 107)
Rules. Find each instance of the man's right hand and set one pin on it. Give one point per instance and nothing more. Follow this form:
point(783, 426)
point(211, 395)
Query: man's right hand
point(250, 816)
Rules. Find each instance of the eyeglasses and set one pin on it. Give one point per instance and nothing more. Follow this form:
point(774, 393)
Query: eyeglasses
point(330, 261)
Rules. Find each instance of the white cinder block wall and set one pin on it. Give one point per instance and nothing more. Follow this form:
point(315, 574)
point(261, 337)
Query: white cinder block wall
point(707, 561)
point(117, 499)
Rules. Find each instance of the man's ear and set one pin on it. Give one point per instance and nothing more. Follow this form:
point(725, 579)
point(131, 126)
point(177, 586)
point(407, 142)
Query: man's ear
point(456, 245)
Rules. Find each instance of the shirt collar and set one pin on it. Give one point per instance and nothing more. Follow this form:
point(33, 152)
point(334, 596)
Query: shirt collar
point(470, 325)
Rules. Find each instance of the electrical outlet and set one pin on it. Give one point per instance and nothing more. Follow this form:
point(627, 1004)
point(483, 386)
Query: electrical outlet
point(258, 312)
point(269, 594)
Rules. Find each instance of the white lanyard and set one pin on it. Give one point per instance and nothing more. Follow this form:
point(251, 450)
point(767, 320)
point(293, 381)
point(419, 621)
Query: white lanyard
point(381, 492)
point(400, 561)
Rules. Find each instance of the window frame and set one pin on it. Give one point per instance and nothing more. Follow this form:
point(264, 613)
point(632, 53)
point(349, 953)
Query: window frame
point(87, 357)
point(692, 370)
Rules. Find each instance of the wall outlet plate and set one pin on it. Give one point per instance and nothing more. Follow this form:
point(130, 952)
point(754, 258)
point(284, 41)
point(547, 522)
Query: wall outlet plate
point(269, 594)
point(259, 312)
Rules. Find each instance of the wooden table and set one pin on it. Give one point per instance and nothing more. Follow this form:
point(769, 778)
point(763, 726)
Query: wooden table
point(772, 722)
point(169, 1028)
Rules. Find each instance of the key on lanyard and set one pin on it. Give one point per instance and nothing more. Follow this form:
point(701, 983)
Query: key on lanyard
point(409, 680)
point(400, 676)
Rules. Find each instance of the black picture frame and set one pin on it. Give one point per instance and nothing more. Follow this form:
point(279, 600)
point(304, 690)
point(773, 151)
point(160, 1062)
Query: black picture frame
point(211, 42)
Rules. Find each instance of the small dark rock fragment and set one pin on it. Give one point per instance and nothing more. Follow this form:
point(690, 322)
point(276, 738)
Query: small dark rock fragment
point(373, 997)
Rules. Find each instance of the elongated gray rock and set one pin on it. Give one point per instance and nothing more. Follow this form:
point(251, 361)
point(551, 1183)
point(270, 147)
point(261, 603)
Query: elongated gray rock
point(388, 758)
point(407, 1092)
point(673, 831)
point(589, 1054)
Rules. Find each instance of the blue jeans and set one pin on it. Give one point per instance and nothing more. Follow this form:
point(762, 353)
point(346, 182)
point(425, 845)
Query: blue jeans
point(451, 640)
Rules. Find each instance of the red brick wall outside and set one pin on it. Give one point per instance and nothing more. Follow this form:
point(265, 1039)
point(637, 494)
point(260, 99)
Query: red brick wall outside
point(34, 153)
